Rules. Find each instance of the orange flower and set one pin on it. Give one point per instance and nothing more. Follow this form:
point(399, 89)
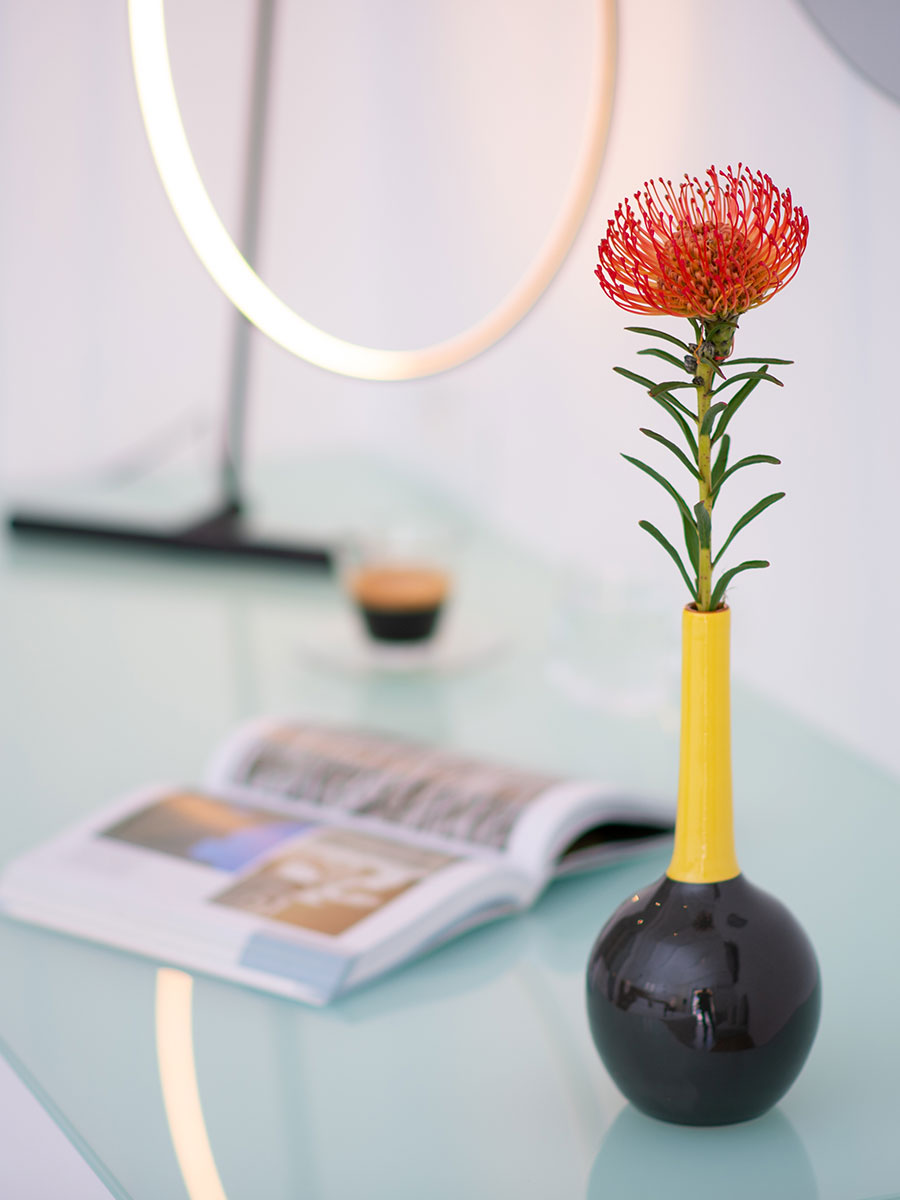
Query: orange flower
point(710, 250)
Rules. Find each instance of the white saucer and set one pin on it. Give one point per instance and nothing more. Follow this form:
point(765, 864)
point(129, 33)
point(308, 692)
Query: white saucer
point(339, 641)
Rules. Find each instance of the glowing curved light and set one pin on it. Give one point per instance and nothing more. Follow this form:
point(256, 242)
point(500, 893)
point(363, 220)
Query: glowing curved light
point(181, 1094)
point(240, 283)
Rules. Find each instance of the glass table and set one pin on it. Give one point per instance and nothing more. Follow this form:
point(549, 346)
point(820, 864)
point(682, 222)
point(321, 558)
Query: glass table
point(470, 1073)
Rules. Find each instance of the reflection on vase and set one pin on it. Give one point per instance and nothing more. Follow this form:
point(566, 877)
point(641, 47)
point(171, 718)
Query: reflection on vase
point(643, 1160)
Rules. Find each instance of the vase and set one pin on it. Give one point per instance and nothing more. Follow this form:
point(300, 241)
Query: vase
point(703, 991)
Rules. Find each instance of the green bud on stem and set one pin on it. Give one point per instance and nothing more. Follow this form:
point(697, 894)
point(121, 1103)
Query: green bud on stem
point(718, 337)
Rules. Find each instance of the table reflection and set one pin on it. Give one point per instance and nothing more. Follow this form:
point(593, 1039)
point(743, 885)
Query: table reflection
point(642, 1158)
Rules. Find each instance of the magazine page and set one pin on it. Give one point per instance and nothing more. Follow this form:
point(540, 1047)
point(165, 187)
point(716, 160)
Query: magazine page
point(288, 905)
point(437, 797)
point(433, 796)
point(578, 826)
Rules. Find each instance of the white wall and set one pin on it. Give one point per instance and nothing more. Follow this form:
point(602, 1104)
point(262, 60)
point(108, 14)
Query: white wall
point(393, 222)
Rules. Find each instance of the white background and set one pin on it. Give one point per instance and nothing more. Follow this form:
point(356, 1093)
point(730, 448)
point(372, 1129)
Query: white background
point(418, 152)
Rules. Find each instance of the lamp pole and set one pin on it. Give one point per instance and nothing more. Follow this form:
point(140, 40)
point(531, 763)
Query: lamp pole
point(254, 167)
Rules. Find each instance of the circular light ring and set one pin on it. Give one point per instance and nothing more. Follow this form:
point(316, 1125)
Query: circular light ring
point(217, 251)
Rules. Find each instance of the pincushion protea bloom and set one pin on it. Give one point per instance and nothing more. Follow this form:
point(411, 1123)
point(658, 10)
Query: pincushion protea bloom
point(710, 249)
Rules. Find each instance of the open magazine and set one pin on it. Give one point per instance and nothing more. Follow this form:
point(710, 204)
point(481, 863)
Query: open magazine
point(316, 858)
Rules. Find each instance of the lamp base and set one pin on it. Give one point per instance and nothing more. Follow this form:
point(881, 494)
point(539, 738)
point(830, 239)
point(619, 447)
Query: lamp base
point(223, 533)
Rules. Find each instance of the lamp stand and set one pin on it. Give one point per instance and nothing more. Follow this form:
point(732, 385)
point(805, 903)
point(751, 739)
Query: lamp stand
point(223, 531)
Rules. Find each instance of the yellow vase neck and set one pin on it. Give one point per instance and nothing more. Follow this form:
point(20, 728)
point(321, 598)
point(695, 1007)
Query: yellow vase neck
point(704, 827)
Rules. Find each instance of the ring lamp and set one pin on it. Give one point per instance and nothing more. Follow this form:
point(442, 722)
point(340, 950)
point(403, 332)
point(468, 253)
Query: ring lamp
point(217, 251)
point(224, 529)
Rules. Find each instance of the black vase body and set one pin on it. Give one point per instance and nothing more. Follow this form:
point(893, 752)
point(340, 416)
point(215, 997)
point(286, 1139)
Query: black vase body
point(703, 1000)
point(703, 991)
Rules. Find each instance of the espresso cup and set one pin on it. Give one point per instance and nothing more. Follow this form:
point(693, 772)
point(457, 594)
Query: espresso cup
point(400, 603)
point(399, 581)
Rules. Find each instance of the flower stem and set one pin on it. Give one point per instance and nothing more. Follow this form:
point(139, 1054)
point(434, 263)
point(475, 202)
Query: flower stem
point(705, 375)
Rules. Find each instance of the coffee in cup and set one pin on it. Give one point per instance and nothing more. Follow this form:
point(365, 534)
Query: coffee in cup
point(399, 602)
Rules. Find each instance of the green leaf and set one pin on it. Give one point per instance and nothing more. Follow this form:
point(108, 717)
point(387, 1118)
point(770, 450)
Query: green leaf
point(719, 590)
point(721, 462)
point(750, 461)
point(655, 390)
point(670, 386)
point(682, 424)
point(669, 358)
point(735, 403)
point(676, 404)
point(746, 519)
point(710, 415)
point(663, 483)
point(658, 333)
point(666, 389)
point(647, 383)
point(679, 454)
point(757, 375)
point(704, 525)
point(697, 328)
point(673, 554)
point(775, 362)
point(692, 542)
point(670, 404)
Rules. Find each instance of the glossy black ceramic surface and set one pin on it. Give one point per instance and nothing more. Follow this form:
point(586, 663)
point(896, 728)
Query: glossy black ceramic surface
point(703, 1000)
